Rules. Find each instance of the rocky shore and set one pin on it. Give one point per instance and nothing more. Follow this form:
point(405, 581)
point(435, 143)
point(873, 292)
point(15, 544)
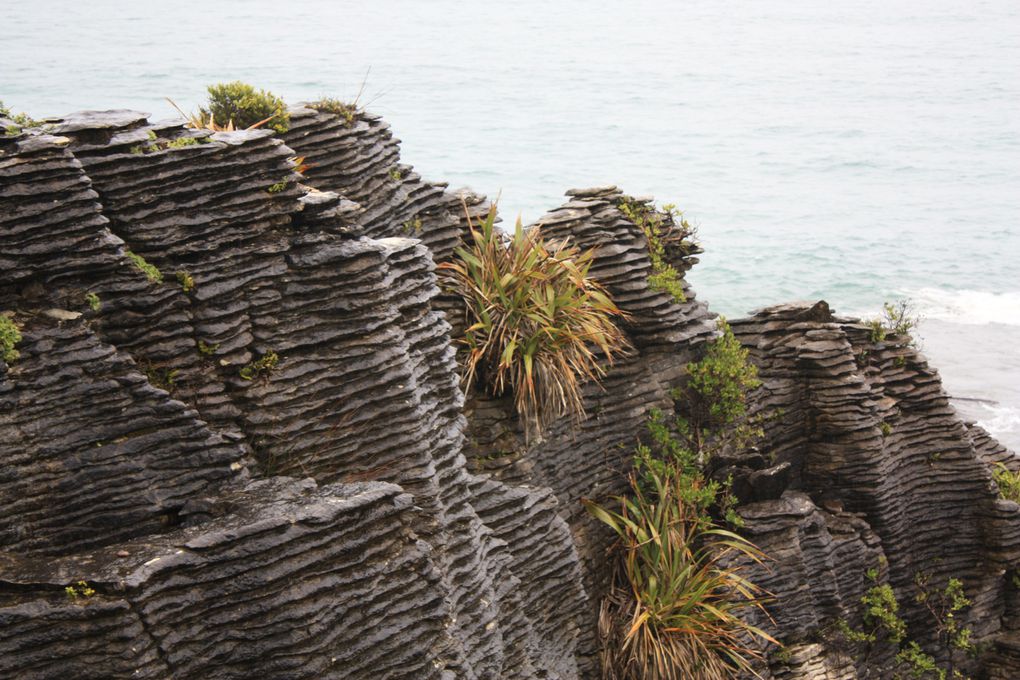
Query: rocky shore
point(234, 442)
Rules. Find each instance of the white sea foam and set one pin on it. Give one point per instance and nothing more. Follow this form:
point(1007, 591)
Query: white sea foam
point(1002, 421)
point(967, 306)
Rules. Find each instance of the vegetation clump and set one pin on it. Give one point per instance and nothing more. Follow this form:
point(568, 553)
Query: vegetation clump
point(412, 227)
point(150, 270)
point(277, 188)
point(93, 301)
point(662, 230)
point(186, 280)
point(206, 349)
point(10, 336)
point(538, 325)
point(672, 612)
point(261, 366)
point(19, 120)
point(898, 318)
point(239, 105)
point(81, 589)
point(346, 110)
point(883, 625)
point(1008, 482)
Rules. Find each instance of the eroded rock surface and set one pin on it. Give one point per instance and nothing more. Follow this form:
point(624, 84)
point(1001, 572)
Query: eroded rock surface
point(235, 430)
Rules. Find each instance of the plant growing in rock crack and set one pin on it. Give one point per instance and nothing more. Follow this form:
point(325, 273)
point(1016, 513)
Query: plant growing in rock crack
point(262, 366)
point(19, 120)
point(662, 230)
point(538, 325)
point(80, 590)
point(882, 624)
point(93, 301)
point(675, 607)
point(186, 280)
point(150, 270)
point(1007, 481)
point(898, 318)
point(10, 336)
point(346, 110)
point(162, 377)
point(412, 227)
point(277, 188)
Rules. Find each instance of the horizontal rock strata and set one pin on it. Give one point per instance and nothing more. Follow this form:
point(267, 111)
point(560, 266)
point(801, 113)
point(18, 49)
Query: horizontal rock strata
point(235, 443)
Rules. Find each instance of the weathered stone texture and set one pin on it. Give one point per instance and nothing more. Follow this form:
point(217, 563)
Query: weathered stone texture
point(346, 512)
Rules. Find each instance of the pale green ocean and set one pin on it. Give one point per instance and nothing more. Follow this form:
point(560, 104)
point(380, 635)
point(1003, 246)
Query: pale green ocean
point(856, 152)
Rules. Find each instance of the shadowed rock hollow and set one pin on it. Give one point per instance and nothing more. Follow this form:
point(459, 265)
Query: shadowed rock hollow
point(258, 459)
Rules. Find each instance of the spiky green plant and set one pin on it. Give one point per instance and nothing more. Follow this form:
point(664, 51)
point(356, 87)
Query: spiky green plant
point(674, 611)
point(538, 326)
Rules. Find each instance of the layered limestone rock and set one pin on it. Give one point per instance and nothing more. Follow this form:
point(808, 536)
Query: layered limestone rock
point(235, 444)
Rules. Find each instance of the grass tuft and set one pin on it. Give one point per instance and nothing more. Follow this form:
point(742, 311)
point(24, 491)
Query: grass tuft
point(537, 325)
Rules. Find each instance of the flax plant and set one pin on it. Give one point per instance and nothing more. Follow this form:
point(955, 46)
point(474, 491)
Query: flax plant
point(538, 326)
point(674, 612)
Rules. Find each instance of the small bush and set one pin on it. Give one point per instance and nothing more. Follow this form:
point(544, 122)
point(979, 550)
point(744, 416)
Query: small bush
point(898, 318)
point(10, 336)
point(240, 105)
point(673, 611)
point(718, 384)
point(1008, 482)
point(535, 320)
point(667, 228)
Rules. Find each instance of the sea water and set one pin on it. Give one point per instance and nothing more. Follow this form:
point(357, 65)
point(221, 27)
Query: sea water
point(856, 152)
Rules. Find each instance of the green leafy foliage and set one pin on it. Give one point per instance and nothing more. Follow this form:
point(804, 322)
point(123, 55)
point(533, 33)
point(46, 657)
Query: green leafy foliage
point(20, 120)
point(261, 366)
point(537, 325)
point(898, 318)
point(673, 611)
point(93, 301)
point(277, 188)
point(150, 271)
point(721, 380)
point(664, 229)
point(1008, 482)
point(240, 105)
point(79, 590)
point(10, 336)
point(883, 624)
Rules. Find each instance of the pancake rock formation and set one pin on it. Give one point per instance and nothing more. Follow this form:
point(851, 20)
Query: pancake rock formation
point(234, 441)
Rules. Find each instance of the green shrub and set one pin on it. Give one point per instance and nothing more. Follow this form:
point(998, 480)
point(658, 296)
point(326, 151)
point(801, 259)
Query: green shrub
point(674, 609)
point(1008, 482)
point(718, 384)
point(150, 271)
point(534, 317)
point(898, 318)
point(240, 105)
point(10, 336)
point(661, 229)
